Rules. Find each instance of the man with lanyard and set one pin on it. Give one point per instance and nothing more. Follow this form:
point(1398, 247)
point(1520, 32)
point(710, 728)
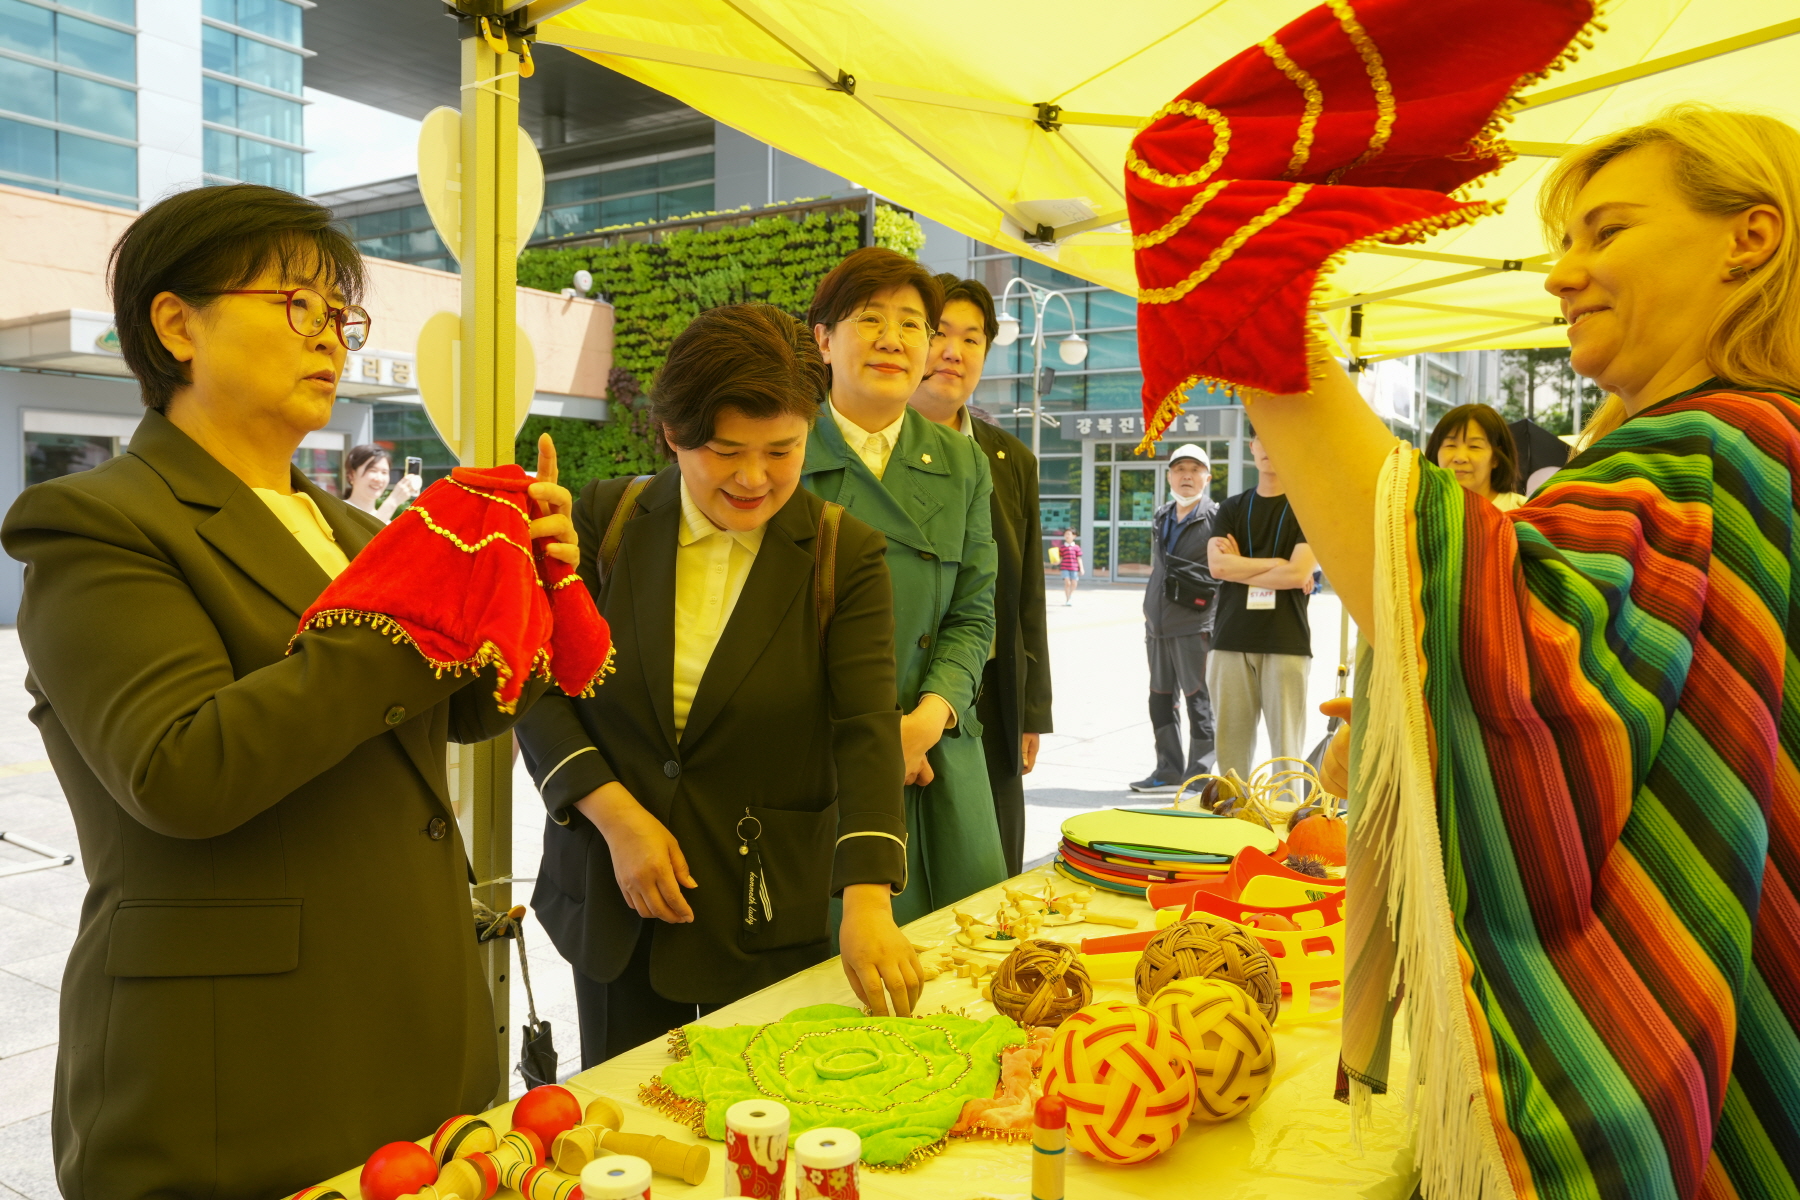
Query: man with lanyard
point(1179, 604)
point(1262, 644)
point(1014, 705)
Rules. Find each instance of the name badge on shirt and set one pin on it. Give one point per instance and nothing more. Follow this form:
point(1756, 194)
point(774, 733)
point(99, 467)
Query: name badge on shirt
point(1260, 598)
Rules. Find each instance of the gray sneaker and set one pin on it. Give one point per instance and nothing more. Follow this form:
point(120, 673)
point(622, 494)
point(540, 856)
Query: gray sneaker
point(1153, 784)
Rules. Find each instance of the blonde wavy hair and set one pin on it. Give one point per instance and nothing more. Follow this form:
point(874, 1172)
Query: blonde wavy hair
point(1726, 161)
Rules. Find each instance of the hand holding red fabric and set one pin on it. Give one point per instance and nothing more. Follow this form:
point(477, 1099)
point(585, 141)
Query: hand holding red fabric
point(460, 578)
point(1351, 126)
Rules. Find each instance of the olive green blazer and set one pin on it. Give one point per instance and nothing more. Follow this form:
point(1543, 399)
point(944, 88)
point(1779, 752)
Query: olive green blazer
point(275, 971)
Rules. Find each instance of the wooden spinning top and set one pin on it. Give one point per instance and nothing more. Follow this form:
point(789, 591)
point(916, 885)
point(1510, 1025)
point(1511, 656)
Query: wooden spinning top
point(1041, 983)
point(1206, 947)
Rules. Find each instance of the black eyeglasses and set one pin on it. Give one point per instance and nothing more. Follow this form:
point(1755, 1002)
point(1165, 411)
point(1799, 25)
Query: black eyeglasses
point(308, 314)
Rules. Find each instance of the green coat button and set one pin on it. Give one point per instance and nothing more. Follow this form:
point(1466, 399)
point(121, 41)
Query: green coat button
point(925, 554)
point(395, 715)
point(924, 640)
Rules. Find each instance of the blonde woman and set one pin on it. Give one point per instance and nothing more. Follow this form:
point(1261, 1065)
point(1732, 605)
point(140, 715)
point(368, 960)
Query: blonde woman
point(1579, 727)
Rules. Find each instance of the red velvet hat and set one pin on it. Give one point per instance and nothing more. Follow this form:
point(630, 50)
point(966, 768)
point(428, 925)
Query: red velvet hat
point(1352, 126)
point(456, 577)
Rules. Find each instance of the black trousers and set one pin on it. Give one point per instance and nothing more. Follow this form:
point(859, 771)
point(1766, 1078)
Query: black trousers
point(626, 1013)
point(1001, 746)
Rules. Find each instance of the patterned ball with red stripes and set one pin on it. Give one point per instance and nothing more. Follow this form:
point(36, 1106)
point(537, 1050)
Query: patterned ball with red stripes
point(1123, 1074)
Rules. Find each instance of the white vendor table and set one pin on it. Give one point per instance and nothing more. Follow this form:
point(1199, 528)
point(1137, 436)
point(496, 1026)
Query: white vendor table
point(1295, 1146)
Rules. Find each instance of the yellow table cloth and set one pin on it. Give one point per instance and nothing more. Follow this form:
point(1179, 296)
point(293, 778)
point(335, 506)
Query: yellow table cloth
point(1296, 1146)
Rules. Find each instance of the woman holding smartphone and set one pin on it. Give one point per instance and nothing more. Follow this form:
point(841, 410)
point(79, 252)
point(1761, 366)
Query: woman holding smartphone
point(367, 469)
point(744, 764)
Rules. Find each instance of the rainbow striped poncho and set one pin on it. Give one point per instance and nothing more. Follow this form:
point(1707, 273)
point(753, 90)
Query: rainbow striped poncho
point(1577, 839)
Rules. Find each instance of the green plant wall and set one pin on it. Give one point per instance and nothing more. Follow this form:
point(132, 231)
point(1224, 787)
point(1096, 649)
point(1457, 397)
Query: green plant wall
point(657, 287)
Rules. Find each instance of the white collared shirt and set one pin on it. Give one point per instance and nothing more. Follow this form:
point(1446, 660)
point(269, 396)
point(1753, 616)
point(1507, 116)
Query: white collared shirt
point(873, 448)
point(711, 565)
point(302, 518)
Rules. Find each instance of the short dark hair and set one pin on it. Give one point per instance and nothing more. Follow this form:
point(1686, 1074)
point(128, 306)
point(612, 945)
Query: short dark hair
point(361, 456)
point(751, 358)
point(974, 292)
point(865, 272)
point(209, 240)
point(1505, 477)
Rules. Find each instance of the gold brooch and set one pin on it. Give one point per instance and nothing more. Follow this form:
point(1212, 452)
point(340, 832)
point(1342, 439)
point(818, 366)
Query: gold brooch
point(999, 454)
point(925, 458)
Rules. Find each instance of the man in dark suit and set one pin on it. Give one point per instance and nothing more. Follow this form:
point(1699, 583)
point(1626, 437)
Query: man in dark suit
point(1014, 707)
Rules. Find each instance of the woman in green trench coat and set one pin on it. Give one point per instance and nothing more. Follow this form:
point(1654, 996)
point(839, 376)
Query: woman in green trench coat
point(927, 488)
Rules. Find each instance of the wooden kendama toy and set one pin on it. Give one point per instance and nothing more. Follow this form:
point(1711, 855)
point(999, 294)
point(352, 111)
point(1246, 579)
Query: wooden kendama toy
point(577, 1146)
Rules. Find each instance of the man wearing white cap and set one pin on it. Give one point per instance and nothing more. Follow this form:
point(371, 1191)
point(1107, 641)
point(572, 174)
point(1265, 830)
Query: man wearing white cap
point(1179, 601)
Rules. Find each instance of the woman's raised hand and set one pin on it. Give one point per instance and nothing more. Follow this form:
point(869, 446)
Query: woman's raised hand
point(557, 507)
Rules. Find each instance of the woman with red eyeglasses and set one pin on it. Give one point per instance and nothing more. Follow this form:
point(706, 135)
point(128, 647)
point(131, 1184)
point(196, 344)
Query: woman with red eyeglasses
point(276, 968)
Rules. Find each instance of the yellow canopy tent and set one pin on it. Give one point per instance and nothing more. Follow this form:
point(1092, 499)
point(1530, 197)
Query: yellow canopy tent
point(1009, 123)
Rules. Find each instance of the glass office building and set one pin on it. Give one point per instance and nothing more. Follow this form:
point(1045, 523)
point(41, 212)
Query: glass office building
point(252, 65)
point(68, 98)
point(389, 220)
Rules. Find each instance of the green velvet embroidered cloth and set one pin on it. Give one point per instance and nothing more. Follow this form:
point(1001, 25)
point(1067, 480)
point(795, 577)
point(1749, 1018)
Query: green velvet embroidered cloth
point(899, 1082)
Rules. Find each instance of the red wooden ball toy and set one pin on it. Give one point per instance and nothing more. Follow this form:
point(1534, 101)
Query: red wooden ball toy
point(397, 1169)
point(547, 1111)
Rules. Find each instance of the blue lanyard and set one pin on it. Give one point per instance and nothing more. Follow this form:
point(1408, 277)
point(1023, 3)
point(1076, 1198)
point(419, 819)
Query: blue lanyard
point(1250, 525)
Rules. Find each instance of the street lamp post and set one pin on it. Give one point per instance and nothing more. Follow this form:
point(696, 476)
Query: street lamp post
point(1073, 349)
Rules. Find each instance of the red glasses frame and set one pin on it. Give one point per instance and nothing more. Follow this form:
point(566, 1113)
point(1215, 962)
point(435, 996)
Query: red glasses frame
point(333, 315)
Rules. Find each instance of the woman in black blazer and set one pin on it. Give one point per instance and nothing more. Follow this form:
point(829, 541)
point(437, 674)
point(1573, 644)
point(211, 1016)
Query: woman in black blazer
point(710, 799)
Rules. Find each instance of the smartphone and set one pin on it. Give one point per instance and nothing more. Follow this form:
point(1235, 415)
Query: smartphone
point(415, 466)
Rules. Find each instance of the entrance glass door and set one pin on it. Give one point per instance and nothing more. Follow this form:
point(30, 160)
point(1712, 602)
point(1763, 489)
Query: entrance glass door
point(1136, 491)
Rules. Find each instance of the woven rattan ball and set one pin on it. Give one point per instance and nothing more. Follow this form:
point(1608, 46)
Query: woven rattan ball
point(1231, 1049)
point(1124, 1078)
point(1042, 983)
point(1205, 947)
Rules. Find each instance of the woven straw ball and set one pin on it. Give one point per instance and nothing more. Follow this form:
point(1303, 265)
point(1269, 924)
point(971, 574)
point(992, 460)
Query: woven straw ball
point(1041, 983)
point(1231, 1049)
point(1207, 947)
point(1124, 1078)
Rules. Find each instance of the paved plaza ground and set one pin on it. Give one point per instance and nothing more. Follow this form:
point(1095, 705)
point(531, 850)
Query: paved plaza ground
point(1102, 741)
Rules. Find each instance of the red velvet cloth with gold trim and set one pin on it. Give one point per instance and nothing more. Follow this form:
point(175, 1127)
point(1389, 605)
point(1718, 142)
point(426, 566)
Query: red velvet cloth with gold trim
point(1350, 127)
point(456, 577)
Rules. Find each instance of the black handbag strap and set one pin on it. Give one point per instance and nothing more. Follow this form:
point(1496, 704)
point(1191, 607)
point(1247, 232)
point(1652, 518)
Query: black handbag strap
point(615, 528)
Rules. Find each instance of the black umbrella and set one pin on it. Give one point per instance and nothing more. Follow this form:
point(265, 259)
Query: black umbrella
point(1538, 448)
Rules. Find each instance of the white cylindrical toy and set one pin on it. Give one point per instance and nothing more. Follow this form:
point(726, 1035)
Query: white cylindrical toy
point(756, 1147)
point(616, 1177)
point(825, 1162)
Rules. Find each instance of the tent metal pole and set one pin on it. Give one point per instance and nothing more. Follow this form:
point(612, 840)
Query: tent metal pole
point(1503, 314)
point(1655, 66)
point(1538, 262)
point(1442, 346)
point(1440, 281)
point(490, 130)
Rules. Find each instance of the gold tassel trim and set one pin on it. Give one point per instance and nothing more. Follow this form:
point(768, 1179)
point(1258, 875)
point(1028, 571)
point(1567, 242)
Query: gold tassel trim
point(988, 1134)
point(913, 1158)
point(656, 1095)
point(1316, 343)
point(486, 655)
point(564, 582)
